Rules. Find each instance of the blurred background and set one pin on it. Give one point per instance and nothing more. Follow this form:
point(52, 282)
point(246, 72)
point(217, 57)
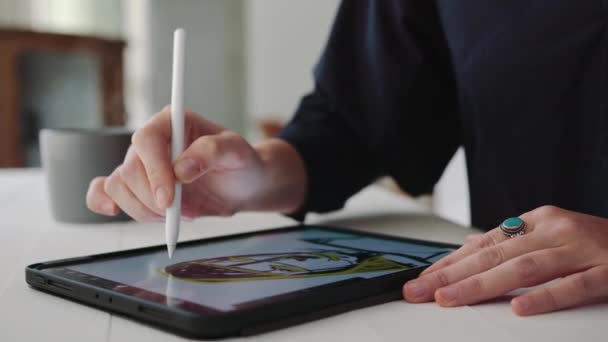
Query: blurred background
point(95, 63)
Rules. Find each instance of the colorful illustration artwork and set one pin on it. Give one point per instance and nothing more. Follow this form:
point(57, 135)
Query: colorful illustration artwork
point(330, 260)
point(228, 274)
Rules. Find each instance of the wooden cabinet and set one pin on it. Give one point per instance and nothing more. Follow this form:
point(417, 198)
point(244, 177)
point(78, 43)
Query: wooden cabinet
point(15, 43)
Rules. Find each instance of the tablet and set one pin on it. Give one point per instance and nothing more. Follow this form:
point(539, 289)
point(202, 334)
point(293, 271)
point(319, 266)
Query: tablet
point(243, 284)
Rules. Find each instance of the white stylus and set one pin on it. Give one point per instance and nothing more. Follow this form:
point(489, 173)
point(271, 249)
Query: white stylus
point(174, 212)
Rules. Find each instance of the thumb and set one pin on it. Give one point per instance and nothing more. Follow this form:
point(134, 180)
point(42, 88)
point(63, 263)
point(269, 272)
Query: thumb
point(223, 151)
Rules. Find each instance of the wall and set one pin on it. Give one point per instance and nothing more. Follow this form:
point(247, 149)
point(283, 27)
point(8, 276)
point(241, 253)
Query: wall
point(451, 196)
point(60, 90)
point(283, 41)
point(93, 17)
point(88, 17)
point(215, 66)
point(14, 13)
point(214, 57)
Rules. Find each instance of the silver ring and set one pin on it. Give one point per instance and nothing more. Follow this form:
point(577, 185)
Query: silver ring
point(513, 226)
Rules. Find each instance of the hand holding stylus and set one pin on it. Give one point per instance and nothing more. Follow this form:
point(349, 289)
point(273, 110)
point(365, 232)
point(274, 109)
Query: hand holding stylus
point(237, 176)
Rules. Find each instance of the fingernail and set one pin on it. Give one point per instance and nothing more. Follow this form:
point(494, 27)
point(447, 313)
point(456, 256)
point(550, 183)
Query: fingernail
point(162, 197)
point(448, 294)
point(416, 289)
point(108, 208)
point(187, 168)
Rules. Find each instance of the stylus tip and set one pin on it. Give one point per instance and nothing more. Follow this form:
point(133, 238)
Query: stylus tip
point(170, 249)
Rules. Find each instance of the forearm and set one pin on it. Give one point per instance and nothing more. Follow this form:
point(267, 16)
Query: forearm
point(284, 184)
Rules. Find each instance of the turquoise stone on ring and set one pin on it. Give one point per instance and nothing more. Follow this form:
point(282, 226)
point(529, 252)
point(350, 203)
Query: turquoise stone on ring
point(513, 226)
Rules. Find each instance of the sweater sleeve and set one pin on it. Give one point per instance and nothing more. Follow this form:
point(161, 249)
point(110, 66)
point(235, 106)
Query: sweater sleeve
point(383, 104)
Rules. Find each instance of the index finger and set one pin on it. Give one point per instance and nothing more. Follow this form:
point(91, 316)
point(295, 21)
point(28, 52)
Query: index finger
point(152, 143)
point(489, 239)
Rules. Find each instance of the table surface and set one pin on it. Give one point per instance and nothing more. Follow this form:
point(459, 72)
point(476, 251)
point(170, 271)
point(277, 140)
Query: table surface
point(29, 235)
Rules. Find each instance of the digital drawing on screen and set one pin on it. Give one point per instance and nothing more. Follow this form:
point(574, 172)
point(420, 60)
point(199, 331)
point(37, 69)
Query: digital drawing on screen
point(227, 274)
point(327, 260)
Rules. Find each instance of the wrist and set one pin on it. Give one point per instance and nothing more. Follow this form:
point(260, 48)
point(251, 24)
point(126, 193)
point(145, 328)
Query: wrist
point(284, 180)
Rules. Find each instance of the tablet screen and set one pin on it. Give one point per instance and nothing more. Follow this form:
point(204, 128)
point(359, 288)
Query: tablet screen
point(225, 275)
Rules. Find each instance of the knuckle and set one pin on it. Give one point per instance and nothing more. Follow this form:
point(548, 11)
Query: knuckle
point(565, 226)
point(447, 261)
point(471, 238)
point(491, 257)
point(163, 116)
point(528, 269)
point(547, 210)
point(585, 285)
point(234, 140)
point(206, 142)
point(483, 241)
point(188, 113)
point(550, 299)
point(437, 266)
point(231, 136)
point(157, 176)
point(139, 137)
point(191, 117)
point(127, 170)
point(151, 128)
point(441, 278)
point(476, 285)
point(111, 184)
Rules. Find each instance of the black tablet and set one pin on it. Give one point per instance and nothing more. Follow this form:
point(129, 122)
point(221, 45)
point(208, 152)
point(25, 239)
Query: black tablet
point(243, 284)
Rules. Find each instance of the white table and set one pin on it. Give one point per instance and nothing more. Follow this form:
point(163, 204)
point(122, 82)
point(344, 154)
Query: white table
point(28, 234)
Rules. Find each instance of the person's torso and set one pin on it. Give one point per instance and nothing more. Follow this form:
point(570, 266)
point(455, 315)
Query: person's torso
point(532, 81)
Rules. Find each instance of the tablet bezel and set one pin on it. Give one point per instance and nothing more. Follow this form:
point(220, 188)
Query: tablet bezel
point(275, 312)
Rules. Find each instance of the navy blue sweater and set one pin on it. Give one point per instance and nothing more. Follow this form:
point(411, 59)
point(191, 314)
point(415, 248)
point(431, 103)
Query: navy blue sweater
point(522, 85)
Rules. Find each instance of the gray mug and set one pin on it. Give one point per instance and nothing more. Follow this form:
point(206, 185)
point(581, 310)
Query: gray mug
point(71, 158)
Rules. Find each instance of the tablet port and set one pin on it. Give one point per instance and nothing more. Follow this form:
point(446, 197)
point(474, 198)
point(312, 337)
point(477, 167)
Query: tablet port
point(58, 285)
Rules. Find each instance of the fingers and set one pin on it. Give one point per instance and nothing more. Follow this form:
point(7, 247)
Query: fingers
point(224, 151)
point(472, 237)
point(97, 199)
point(115, 188)
point(133, 174)
point(143, 186)
point(152, 143)
point(477, 243)
point(126, 188)
point(557, 243)
point(527, 270)
point(488, 239)
point(577, 289)
point(423, 289)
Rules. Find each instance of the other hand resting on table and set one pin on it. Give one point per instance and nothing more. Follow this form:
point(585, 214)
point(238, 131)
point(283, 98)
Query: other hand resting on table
point(557, 243)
